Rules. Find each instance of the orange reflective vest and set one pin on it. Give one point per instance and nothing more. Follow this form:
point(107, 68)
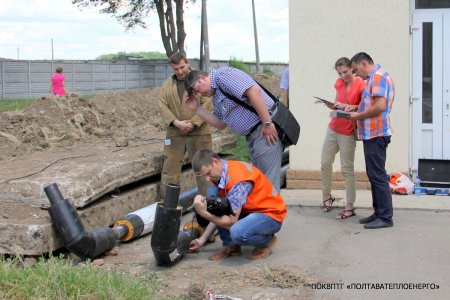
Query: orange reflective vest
point(264, 198)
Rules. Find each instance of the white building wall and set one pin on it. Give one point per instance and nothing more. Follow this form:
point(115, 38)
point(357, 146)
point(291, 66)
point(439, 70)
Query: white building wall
point(321, 31)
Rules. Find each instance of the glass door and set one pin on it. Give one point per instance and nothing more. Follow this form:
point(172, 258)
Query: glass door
point(430, 96)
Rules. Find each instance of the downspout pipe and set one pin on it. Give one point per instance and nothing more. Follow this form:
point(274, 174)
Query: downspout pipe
point(68, 225)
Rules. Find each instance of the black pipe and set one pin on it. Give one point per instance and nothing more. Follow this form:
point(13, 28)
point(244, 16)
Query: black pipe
point(168, 243)
point(172, 195)
point(69, 227)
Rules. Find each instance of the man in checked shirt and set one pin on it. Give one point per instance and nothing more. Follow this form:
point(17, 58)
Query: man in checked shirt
point(225, 83)
point(374, 129)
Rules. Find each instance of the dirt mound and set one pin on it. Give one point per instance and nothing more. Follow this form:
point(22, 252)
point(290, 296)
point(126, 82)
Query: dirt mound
point(270, 82)
point(54, 122)
point(63, 121)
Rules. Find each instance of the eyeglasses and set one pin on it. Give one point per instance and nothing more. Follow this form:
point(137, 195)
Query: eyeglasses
point(191, 88)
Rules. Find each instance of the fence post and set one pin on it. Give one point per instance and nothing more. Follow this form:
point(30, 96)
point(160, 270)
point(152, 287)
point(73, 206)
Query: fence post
point(29, 79)
point(3, 79)
point(140, 76)
point(109, 67)
point(93, 80)
point(73, 77)
point(126, 77)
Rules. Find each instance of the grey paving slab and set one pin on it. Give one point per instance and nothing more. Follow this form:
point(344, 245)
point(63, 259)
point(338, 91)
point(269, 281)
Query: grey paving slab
point(84, 174)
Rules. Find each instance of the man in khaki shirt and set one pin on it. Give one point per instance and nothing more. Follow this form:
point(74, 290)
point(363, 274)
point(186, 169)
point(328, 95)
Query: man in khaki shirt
point(186, 132)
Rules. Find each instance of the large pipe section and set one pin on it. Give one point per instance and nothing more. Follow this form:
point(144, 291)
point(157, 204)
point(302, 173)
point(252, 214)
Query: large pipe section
point(136, 224)
point(168, 243)
point(68, 224)
point(84, 244)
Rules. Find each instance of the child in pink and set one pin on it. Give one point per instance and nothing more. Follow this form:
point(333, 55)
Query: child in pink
point(57, 83)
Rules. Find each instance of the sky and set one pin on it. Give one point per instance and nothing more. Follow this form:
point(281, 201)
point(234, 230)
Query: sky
point(29, 26)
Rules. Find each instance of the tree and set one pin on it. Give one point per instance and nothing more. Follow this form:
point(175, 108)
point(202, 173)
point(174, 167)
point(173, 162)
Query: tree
point(132, 13)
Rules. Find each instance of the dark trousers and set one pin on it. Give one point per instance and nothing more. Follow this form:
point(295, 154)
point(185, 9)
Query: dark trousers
point(375, 156)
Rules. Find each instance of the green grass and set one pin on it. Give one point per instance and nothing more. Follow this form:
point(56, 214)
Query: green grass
point(57, 278)
point(14, 104)
point(241, 149)
point(268, 71)
point(238, 64)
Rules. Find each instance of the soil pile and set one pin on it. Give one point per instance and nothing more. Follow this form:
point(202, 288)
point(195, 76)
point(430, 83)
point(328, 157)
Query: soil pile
point(63, 121)
point(270, 82)
point(59, 122)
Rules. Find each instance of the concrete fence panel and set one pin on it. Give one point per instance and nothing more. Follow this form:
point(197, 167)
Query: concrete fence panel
point(31, 79)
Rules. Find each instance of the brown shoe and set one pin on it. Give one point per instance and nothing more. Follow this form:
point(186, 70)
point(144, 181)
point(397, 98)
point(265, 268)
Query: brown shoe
point(225, 252)
point(263, 252)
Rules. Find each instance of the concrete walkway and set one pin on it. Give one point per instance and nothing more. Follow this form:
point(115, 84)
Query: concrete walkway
point(342, 252)
point(364, 199)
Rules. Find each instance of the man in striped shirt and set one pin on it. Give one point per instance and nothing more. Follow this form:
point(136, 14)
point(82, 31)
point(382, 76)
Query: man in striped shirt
point(222, 85)
point(374, 129)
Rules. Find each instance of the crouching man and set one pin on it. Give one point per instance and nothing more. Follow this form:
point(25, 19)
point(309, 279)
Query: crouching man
point(258, 208)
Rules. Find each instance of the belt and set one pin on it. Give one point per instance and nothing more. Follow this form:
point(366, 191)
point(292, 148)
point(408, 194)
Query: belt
point(253, 129)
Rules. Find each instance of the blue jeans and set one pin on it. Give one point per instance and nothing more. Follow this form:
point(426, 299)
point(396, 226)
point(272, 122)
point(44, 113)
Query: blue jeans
point(254, 229)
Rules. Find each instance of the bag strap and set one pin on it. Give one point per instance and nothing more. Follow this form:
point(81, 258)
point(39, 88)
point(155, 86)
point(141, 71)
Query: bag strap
point(237, 101)
point(275, 99)
point(249, 107)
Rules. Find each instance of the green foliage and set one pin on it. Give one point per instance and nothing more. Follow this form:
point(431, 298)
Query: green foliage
point(241, 149)
point(14, 104)
point(57, 278)
point(238, 64)
point(144, 55)
point(268, 71)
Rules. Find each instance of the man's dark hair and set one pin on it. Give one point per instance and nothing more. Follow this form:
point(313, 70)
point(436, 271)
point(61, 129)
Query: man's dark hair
point(59, 70)
point(359, 57)
point(191, 78)
point(203, 157)
point(177, 57)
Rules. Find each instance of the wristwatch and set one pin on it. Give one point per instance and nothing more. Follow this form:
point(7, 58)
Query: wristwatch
point(267, 124)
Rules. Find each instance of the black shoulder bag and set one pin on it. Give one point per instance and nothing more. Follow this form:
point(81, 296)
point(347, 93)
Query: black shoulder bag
point(287, 126)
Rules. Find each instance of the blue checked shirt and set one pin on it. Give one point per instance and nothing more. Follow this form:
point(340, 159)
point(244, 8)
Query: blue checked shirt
point(234, 82)
point(239, 192)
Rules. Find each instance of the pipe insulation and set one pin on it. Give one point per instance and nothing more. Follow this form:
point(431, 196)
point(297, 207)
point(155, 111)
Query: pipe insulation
point(69, 227)
point(168, 243)
point(137, 223)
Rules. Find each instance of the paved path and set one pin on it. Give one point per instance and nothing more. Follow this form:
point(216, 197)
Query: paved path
point(414, 251)
point(316, 245)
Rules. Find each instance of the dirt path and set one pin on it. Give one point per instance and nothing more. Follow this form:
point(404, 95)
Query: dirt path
point(235, 276)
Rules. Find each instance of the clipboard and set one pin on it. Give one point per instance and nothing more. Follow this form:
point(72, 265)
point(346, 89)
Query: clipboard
point(320, 100)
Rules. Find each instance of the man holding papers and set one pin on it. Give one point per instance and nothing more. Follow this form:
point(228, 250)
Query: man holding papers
point(375, 130)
